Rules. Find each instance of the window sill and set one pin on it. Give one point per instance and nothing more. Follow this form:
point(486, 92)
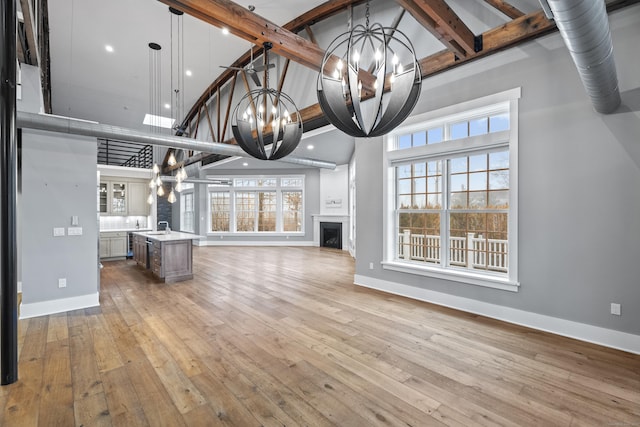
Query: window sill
point(469, 278)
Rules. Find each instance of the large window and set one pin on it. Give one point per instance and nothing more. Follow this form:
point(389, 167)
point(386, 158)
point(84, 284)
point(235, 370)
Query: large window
point(451, 196)
point(258, 205)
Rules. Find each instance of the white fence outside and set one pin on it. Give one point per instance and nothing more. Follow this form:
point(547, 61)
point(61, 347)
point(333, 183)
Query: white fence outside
point(470, 252)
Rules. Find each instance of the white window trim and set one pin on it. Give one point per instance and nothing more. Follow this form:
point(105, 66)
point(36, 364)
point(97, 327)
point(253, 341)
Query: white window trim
point(278, 189)
point(390, 158)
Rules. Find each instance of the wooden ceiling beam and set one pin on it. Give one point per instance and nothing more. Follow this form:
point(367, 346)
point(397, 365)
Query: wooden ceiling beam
point(441, 21)
point(27, 14)
point(316, 14)
point(519, 30)
point(506, 8)
point(250, 26)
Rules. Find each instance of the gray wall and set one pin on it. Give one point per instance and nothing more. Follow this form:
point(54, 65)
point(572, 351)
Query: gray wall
point(579, 173)
point(58, 181)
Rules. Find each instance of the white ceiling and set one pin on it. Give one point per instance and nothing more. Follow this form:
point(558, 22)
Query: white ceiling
point(113, 88)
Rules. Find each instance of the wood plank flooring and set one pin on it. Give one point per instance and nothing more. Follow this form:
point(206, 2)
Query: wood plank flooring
point(281, 337)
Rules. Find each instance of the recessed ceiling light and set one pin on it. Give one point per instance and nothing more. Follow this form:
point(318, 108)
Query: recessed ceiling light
point(225, 31)
point(108, 48)
point(310, 147)
point(167, 106)
point(245, 164)
point(188, 73)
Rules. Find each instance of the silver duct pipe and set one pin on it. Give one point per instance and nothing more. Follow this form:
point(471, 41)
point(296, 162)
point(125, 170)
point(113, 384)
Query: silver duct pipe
point(82, 127)
point(584, 26)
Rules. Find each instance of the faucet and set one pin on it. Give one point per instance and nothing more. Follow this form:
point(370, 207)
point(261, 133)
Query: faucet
point(167, 229)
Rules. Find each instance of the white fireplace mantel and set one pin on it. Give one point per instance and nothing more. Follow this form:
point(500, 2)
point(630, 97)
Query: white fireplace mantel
point(343, 219)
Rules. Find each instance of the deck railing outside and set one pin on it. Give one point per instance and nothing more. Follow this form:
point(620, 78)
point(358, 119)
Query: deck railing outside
point(470, 252)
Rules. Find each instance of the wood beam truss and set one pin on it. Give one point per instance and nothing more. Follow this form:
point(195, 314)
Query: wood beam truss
point(454, 33)
point(441, 21)
point(506, 8)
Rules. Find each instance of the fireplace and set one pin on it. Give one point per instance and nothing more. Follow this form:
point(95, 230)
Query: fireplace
point(331, 235)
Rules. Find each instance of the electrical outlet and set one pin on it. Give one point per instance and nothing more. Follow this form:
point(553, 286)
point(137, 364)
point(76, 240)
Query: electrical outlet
point(62, 282)
point(58, 231)
point(615, 309)
point(370, 266)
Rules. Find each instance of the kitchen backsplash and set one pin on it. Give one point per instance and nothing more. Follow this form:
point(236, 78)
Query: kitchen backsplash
point(123, 222)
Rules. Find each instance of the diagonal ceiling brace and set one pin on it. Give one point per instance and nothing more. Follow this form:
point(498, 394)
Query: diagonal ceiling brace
point(441, 21)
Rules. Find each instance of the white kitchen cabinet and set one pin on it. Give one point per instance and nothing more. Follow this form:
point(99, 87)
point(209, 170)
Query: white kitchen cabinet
point(122, 197)
point(113, 244)
point(138, 192)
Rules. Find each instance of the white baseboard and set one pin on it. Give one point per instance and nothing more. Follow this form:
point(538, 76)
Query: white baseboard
point(580, 331)
point(251, 243)
point(44, 308)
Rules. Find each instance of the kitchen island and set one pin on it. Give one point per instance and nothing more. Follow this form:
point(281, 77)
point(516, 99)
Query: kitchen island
point(167, 255)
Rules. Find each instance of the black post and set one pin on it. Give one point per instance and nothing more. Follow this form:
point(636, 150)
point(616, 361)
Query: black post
point(8, 197)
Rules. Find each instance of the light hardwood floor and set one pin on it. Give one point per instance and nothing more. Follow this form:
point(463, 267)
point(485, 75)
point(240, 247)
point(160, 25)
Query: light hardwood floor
point(281, 336)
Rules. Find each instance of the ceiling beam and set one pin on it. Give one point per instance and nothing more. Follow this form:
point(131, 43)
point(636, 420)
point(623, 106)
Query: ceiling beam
point(27, 14)
point(316, 14)
point(441, 21)
point(522, 29)
point(506, 8)
point(250, 26)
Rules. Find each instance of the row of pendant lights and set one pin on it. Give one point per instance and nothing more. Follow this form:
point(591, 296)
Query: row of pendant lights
point(157, 184)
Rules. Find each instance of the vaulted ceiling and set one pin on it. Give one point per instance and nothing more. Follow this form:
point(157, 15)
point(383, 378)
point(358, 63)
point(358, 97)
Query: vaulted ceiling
point(113, 87)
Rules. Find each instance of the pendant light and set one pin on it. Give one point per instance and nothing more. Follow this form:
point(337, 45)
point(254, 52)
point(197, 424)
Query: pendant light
point(370, 80)
point(265, 116)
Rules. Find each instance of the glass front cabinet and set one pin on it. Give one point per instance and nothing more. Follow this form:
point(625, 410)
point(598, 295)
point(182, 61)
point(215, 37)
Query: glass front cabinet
point(123, 198)
point(112, 198)
point(103, 198)
point(118, 198)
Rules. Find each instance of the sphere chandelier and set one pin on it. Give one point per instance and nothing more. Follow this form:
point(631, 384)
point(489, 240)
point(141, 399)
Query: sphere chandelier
point(370, 80)
point(265, 117)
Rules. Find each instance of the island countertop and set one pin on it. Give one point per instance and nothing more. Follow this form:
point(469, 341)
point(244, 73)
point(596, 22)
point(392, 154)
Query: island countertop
point(161, 236)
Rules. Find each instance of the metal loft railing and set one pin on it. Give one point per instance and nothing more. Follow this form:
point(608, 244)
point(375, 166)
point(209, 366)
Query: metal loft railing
point(122, 153)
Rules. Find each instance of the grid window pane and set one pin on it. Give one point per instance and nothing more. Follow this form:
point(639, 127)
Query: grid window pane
point(419, 138)
point(403, 171)
point(435, 135)
point(459, 130)
point(292, 210)
point(291, 182)
point(486, 188)
point(245, 211)
point(266, 211)
point(478, 126)
point(419, 237)
point(404, 142)
point(499, 122)
point(219, 211)
point(479, 241)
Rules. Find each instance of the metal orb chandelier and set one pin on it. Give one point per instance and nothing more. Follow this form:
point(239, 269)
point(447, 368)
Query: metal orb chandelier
point(370, 80)
point(266, 122)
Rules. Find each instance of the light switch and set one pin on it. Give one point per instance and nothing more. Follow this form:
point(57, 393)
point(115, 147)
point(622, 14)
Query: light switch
point(74, 231)
point(74, 220)
point(58, 231)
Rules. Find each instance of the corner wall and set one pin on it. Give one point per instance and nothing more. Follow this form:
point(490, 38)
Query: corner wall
point(579, 209)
